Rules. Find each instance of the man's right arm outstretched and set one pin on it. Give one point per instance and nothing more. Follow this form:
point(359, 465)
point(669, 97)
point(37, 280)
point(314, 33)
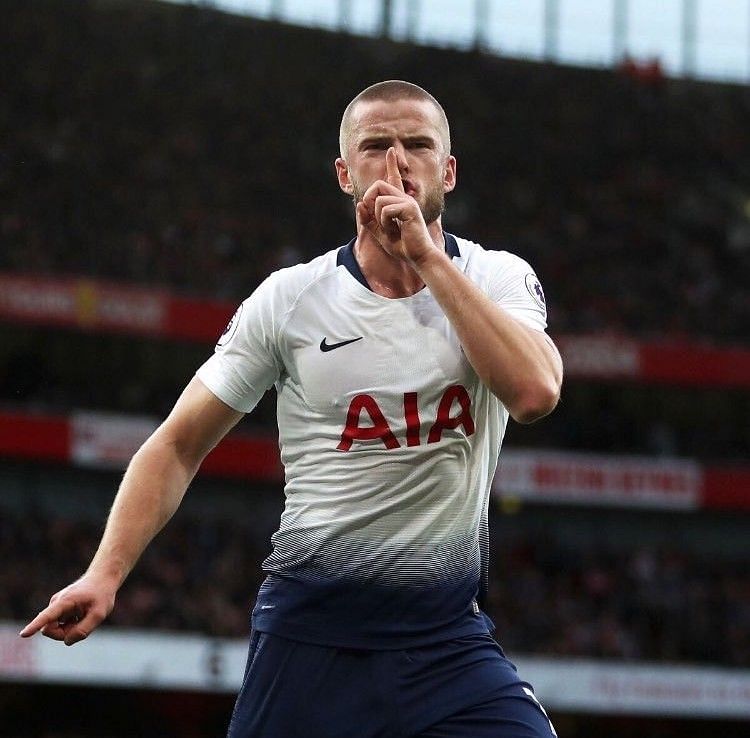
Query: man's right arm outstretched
point(151, 491)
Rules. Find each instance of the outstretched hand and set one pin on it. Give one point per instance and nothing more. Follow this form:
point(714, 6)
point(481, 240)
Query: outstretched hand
point(74, 612)
point(392, 217)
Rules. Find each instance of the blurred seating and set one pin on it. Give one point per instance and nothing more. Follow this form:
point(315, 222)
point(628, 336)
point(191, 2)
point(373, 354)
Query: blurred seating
point(181, 146)
point(638, 603)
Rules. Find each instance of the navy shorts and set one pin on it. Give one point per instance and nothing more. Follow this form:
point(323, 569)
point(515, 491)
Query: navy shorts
point(464, 688)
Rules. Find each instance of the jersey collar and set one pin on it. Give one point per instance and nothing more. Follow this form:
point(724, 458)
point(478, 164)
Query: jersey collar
point(345, 257)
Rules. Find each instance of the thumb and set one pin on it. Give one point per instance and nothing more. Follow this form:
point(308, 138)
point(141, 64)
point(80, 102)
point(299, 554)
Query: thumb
point(364, 216)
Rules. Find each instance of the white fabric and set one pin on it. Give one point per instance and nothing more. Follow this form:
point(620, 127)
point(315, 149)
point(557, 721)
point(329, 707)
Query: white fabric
point(410, 514)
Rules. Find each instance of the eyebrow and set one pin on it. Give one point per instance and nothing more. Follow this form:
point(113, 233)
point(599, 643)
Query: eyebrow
point(383, 137)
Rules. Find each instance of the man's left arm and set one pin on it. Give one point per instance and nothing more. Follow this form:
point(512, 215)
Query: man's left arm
point(520, 365)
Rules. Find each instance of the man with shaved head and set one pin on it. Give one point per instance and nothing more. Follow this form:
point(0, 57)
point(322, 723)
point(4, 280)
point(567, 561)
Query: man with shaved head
point(397, 359)
point(395, 93)
point(388, 92)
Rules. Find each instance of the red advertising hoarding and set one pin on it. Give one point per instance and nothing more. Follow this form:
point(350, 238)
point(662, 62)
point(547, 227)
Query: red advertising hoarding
point(89, 305)
point(107, 441)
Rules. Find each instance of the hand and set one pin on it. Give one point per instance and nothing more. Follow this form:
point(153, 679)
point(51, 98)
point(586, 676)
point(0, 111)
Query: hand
point(392, 217)
point(74, 612)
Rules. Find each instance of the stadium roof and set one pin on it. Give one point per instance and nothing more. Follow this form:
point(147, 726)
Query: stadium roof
point(694, 38)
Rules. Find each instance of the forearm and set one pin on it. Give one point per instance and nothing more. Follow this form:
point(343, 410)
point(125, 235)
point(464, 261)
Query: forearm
point(151, 490)
point(519, 365)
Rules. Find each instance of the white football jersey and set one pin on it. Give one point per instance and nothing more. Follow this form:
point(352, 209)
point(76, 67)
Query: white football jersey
point(389, 443)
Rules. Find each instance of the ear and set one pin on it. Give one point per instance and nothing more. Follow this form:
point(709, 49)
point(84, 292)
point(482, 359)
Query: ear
point(449, 175)
point(342, 173)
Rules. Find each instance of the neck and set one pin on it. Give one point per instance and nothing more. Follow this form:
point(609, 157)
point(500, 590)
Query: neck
point(387, 275)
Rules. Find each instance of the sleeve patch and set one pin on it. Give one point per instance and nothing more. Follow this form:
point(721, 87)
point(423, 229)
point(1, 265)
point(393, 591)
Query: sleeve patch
point(231, 328)
point(535, 290)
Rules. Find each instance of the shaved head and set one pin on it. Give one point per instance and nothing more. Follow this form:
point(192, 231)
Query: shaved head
point(388, 91)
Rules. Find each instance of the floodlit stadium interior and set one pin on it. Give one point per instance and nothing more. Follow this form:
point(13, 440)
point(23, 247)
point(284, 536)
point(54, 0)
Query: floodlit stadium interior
point(147, 152)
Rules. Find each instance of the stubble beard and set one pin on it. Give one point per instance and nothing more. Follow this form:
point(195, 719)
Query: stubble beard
point(432, 206)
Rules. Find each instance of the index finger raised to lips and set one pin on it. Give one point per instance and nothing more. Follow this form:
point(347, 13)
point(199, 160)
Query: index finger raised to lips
point(393, 176)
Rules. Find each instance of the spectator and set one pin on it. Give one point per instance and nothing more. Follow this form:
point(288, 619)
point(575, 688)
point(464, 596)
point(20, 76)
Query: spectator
point(639, 603)
point(628, 197)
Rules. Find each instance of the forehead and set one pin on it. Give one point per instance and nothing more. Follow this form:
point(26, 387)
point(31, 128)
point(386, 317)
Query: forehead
point(395, 117)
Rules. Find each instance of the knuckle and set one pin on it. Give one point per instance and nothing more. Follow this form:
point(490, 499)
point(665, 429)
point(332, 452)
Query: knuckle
point(75, 637)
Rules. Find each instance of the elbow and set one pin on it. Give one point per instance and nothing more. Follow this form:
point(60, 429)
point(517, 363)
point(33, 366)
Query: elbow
point(535, 402)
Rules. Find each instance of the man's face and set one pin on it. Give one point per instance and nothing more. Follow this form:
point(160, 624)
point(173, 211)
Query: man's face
point(412, 127)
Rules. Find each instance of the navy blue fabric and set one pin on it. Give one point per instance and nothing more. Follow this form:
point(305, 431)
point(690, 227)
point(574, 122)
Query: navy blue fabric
point(346, 257)
point(451, 245)
point(464, 688)
point(337, 612)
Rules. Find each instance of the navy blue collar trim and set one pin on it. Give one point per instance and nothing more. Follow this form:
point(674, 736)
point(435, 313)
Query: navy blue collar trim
point(451, 245)
point(346, 257)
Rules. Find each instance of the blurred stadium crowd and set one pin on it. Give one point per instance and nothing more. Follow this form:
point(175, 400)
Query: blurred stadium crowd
point(36, 373)
point(193, 150)
point(644, 602)
point(187, 148)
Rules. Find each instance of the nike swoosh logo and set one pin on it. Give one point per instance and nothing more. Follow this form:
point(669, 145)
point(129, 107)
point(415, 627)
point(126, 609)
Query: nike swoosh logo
point(330, 346)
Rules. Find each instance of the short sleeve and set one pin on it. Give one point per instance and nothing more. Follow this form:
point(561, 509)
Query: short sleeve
point(514, 286)
point(247, 362)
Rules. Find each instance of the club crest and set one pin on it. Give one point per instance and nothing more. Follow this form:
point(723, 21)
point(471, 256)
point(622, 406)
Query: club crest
point(533, 285)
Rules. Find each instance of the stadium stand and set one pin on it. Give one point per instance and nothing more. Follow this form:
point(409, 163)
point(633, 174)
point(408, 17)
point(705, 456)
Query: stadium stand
point(646, 586)
point(128, 154)
point(36, 372)
point(143, 147)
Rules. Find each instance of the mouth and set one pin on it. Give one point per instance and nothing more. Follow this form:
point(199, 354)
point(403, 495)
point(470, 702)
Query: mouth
point(409, 188)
